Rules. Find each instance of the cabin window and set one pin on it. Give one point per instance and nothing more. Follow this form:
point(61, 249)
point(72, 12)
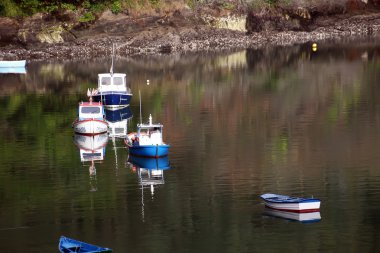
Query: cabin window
point(106, 81)
point(91, 110)
point(117, 80)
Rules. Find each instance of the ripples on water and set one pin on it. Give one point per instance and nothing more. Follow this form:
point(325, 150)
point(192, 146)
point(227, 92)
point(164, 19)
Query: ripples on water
point(282, 120)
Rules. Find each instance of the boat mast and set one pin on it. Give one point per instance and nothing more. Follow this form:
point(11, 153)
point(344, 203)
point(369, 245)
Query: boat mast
point(140, 107)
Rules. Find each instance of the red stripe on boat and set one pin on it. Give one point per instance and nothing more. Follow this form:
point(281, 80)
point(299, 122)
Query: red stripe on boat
point(295, 211)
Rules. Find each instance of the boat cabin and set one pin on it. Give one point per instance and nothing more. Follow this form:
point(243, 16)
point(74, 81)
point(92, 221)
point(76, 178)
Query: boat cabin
point(91, 110)
point(112, 82)
point(150, 134)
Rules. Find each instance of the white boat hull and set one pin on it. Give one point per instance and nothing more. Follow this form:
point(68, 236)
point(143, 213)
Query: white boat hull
point(12, 64)
point(90, 126)
point(295, 207)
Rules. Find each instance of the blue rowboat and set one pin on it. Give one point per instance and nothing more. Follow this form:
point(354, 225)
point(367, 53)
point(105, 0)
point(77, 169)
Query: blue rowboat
point(147, 142)
point(67, 245)
point(13, 64)
point(291, 204)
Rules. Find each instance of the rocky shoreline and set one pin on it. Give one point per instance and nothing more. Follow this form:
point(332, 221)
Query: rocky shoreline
point(176, 32)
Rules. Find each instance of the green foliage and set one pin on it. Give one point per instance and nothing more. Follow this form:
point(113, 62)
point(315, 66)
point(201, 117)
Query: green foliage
point(87, 17)
point(68, 6)
point(154, 2)
point(191, 3)
point(228, 6)
point(116, 7)
point(9, 8)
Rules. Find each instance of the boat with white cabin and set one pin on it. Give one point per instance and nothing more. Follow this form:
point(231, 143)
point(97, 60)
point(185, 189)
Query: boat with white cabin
point(91, 119)
point(112, 89)
point(147, 141)
point(291, 204)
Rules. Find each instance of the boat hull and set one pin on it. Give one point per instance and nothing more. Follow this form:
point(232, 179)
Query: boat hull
point(149, 150)
point(113, 100)
point(290, 204)
point(90, 127)
point(67, 245)
point(12, 64)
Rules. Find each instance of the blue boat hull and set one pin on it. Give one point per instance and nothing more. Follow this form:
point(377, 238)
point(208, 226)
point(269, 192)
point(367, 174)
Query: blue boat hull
point(161, 163)
point(113, 99)
point(149, 150)
point(67, 245)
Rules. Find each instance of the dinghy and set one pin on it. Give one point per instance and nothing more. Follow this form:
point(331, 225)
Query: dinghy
point(13, 64)
point(67, 245)
point(291, 204)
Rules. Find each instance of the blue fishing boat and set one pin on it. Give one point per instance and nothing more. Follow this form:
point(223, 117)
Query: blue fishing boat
point(67, 245)
point(112, 89)
point(291, 204)
point(147, 141)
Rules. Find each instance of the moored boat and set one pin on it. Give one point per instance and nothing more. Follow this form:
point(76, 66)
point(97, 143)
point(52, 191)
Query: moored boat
point(90, 119)
point(112, 90)
point(68, 245)
point(147, 141)
point(13, 64)
point(291, 204)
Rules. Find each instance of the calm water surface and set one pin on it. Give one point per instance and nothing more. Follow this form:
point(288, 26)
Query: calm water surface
point(281, 120)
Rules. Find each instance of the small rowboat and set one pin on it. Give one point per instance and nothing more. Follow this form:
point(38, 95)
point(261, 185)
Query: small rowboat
point(291, 204)
point(67, 245)
point(12, 64)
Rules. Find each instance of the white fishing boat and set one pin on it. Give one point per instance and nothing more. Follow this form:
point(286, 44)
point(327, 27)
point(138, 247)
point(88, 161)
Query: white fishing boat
point(291, 204)
point(91, 119)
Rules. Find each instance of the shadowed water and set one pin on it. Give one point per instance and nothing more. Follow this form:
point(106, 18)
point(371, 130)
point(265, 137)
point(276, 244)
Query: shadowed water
point(240, 124)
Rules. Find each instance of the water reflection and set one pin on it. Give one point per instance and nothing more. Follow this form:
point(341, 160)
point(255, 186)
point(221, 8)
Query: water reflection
point(118, 121)
point(150, 172)
point(91, 149)
point(293, 216)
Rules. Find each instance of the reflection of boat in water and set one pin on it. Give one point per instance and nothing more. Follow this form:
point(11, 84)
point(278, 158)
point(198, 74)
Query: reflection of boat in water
point(13, 70)
point(291, 204)
point(118, 121)
point(302, 217)
point(92, 148)
point(150, 170)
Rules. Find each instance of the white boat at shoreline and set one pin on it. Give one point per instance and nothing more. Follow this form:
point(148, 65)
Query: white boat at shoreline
point(13, 64)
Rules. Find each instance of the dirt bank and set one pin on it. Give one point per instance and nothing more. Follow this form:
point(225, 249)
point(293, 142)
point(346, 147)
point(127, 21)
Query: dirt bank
point(180, 30)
